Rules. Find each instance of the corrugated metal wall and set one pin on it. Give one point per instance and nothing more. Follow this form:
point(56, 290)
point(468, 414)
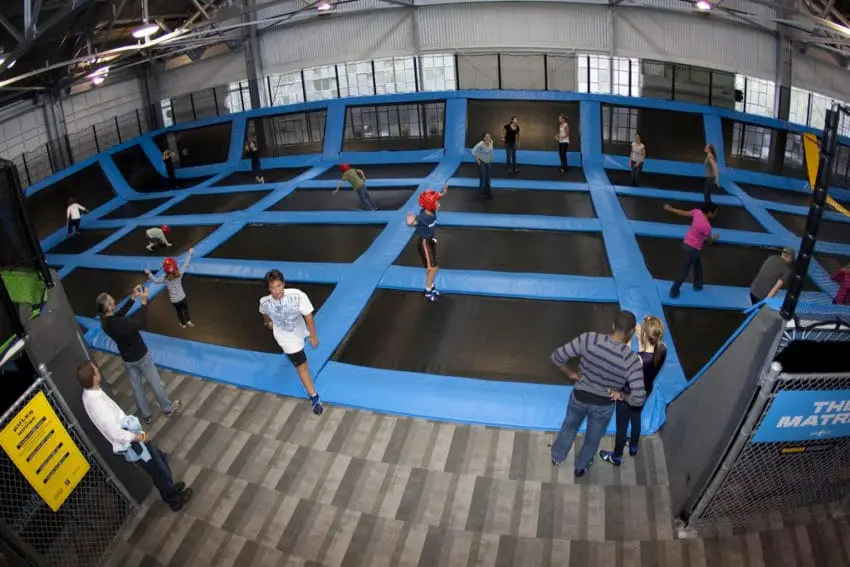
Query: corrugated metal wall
point(819, 76)
point(102, 103)
point(22, 129)
point(206, 73)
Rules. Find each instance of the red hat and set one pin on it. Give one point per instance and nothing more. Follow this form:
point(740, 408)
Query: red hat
point(429, 200)
point(344, 167)
point(165, 228)
point(169, 265)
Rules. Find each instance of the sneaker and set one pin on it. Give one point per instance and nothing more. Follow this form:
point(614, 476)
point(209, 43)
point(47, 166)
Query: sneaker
point(317, 405)
point(190, 324)
point(185, 496)
point(179, 486)
point(436, 292)
point(609, 457)
point(555, 463)
point(580, 472)
point(148, 420)
point(633, 450)
point(149, 248)
point(182, 326)
point(175, 407)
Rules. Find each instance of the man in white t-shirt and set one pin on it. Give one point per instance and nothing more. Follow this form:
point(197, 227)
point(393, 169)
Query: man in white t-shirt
point(73, 216)
point(289, 314)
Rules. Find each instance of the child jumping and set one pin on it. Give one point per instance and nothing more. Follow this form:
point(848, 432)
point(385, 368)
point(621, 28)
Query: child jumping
point(357, 179)
point(156, 237)
point(73, 218)
point(426, 243)
point(288, 313)
point(173, 280)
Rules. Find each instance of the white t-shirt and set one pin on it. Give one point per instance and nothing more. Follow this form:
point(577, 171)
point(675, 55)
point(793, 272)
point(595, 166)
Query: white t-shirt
point(287, 316)
point(74, 211)
point(563, 137)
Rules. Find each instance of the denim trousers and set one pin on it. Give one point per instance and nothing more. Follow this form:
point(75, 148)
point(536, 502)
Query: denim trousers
point(366, 199)
point(598, 418)
point(145, 369)
point(484, 178)
point(160, 472)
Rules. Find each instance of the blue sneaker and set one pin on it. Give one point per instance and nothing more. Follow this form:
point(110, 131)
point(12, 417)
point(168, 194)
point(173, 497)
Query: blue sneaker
point(609, 457)
point(317, 405)
point(580, 472)
point(633, 450)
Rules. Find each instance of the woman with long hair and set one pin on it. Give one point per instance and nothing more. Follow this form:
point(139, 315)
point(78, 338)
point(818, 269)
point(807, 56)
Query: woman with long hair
point(712, 176)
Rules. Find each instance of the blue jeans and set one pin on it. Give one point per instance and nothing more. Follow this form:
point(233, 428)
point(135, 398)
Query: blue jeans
point(598, 418)
point(484, 178)
point(510, 156)
point(692, 257)
point(160, 472)
point(146, 369)
point(366, 199)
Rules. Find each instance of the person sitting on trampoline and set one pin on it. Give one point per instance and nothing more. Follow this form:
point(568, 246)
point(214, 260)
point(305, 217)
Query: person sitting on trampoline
point(73, 216)
point(173, 280)
point(156, 237)
point(357, 179)
point(483, 154)
point(698, 234)
point(288, 313)
point(253, 152)
point(608, 367)
point(774, 273)
point(652, 353)
point(842, 276)
point(426, 243)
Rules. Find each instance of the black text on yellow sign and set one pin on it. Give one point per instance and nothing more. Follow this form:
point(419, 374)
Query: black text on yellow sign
point(44, 452)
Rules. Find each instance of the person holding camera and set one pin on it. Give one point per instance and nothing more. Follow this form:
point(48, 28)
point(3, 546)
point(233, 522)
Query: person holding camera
point(125, 331)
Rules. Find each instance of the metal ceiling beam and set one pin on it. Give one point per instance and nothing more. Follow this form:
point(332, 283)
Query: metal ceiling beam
point(36, 12)
point(13, 31)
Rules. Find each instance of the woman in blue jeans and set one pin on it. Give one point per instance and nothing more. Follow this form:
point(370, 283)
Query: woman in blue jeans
point(483, 154)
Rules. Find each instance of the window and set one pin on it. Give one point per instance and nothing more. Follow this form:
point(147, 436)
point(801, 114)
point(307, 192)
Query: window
point(355, 79)
point(759, 96)
point(594, 73)
point(285, 88)
point(395, 75)
point(238, 97)
point(320, 83)
point(394, 126)
point(287, 134)
point(798, 111)
point(438, 73)
point(627, 77)
point(751, 142)
point(167, 114)
point(619, 124)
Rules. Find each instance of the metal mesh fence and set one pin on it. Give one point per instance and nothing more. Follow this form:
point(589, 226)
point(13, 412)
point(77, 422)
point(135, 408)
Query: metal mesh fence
point(83, 530)
point(783, 482)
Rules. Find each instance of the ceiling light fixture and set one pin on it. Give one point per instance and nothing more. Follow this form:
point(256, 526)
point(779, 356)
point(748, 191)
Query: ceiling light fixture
point(704, 5)
point(11, 63)
point(145, 31)
point(98, 80)
point(324, 6)
point(102, 72)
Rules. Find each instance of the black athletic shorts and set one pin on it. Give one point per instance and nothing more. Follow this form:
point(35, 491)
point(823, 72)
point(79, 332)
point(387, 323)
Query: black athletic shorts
point(428, 252)
point(297, 358)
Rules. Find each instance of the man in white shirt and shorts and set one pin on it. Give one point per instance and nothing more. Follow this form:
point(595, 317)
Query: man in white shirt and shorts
point(289, 314)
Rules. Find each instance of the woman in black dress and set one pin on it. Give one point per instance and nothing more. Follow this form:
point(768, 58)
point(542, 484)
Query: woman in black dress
point(253, 152)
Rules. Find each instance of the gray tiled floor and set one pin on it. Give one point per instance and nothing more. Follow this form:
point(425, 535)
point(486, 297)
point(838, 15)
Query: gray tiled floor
point(276, 485)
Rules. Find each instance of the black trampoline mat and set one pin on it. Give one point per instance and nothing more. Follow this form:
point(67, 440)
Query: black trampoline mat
point(537, 119)
point(225, 312)
point(773, 195)
point(455, 337)
point(85, 240)
point(722, 264)
point(686, 183)
point(698, 334)
point(385, 170)
point(527, 172)
point(667, 134)
point(83, 285)
point(269, 176)
point(181, 237)
point(212, 203)
point(155, 183)
point(520, 202)
point(510, 250)
point(652, 210)
point(386, 199)
point(134, 209)
point(828, 231)
point(299, 242)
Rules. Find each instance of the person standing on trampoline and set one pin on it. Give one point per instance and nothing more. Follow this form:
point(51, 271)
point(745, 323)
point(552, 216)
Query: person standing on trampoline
point(357, 179)
point(712, 176)
point(173, 280)
point(774, 273)
point(288, 313)
point(168, 159)
point(698, 234)
point(563, 138)
point(253, 152)
point(483, 154)
point(510, 136)
point(652, 353)
point(156, 237)
point(636, 158)
point(426, 242)
point(608, 368)
point(73, 216)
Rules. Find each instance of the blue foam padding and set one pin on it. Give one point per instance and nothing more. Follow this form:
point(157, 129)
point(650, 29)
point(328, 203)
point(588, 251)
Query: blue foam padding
point(714, 135)
point(113, 174)
point(153, 152)
point(454, 130)
point(768, 180)
point(710, 297)
point(390, 157)
point(522, 184)
point(382, 182)
point(87, 322)
point(60, 175)
point(237, 139)
point(670, 195)
point(304, 160)
point(661, 166)
point(501, 284)
point(85, 223)
point(334, 130)
point(527, 222)
point(532, 157)
point(727, 236)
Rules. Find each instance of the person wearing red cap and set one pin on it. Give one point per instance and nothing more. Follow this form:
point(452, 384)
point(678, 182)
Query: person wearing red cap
point(173, 280)
point(426, 243)
point(156, 237)
point(357, 179)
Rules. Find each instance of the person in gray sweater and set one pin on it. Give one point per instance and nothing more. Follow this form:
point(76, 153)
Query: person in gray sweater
point(173, 280)
point(483, 154)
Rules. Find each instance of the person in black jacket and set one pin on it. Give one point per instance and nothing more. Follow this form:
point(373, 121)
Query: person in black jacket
point(125, 331)
point(652, 354)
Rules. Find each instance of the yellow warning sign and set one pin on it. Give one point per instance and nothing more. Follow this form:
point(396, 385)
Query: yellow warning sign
point(812, 149)
point(44, 452)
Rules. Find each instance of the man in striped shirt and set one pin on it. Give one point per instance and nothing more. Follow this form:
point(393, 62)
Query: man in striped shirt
point(609, 368)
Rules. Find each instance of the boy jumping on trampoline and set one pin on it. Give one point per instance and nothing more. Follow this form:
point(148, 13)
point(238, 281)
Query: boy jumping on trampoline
point(173, 280)
point(698, 234)
point(73, 216)
point(288, 313)
point(426, 243)
point(357, 179)
point(156, 237)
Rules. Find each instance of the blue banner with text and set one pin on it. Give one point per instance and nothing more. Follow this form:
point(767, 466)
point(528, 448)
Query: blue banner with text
point(806, 416)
